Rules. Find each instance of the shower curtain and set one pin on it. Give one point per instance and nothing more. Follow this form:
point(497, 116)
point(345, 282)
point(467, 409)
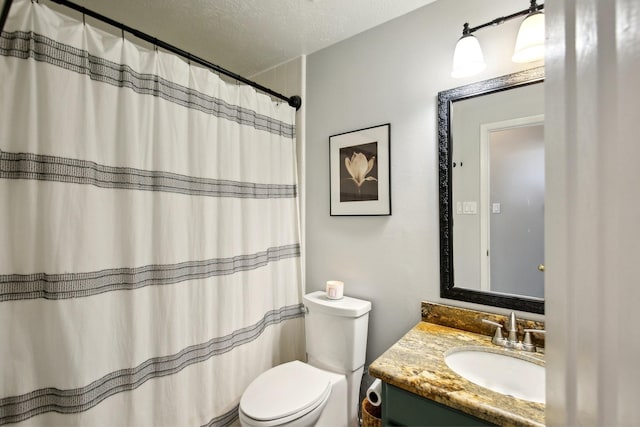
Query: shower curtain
point(149, 233)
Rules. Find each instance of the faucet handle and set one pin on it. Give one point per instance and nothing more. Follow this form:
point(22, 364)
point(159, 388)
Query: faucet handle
point(497, 339)
point(527, 345)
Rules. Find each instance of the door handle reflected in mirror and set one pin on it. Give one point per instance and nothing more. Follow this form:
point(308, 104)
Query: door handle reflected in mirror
point(541, 267)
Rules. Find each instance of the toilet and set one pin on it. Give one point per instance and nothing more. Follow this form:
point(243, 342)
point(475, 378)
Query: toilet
point(324, 391)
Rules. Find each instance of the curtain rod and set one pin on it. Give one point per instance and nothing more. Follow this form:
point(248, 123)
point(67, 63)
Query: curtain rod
point(294, 101)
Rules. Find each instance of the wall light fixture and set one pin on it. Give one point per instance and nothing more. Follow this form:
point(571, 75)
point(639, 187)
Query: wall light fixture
point(468, 59)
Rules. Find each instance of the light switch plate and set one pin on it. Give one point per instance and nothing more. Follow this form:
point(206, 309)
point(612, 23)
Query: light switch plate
point(470, 208)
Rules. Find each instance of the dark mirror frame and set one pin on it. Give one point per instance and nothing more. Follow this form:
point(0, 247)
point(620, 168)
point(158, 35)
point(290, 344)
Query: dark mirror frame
point(445, 100)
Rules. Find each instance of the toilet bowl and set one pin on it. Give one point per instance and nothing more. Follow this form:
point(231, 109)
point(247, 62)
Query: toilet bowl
point(324, 391)
point(295, 394)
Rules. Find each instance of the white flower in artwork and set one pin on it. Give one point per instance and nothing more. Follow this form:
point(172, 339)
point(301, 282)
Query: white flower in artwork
point(358, 167)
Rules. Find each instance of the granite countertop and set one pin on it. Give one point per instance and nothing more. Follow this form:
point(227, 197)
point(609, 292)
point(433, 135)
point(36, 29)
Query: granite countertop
point(416, 364)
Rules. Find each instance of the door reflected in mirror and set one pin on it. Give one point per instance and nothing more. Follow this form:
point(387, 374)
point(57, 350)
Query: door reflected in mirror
point(512, 209)
point(492, 191)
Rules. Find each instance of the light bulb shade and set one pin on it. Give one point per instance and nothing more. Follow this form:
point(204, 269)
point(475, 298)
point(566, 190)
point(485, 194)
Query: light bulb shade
point(467, 57)
point(530, 40)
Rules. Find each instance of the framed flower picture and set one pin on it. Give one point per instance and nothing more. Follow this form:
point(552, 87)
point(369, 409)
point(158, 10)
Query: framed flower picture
point(359, 169)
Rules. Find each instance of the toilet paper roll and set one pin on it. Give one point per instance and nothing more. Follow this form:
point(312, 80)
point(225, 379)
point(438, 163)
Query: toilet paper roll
point(374, 393)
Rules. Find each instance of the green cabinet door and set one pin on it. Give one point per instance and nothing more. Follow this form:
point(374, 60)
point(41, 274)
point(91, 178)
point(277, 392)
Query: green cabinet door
point(402, 408)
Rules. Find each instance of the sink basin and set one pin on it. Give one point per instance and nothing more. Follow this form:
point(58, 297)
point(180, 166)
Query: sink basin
point(500, 372)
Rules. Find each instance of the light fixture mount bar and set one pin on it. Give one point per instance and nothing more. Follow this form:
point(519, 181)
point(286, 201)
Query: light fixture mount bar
point(534, 7)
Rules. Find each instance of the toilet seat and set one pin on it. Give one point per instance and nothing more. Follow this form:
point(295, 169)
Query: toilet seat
point(285, 392)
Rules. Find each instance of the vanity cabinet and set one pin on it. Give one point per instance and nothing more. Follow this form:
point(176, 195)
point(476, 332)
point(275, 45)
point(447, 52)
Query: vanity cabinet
point(402, 408)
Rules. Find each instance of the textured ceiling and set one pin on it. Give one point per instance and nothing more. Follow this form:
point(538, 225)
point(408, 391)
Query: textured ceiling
point(249, 36)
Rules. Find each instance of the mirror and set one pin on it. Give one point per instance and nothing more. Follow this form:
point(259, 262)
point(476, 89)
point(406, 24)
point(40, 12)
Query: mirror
point(491, 157)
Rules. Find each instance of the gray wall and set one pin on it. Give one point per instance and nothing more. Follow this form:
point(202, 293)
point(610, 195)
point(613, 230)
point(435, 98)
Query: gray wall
point(391, 74)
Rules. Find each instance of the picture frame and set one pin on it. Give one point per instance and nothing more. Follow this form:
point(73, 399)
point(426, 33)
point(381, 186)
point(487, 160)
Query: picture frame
point(360, 172)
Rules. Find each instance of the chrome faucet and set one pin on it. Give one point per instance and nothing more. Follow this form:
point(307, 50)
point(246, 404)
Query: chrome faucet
point(512, 335)
point(512, 328)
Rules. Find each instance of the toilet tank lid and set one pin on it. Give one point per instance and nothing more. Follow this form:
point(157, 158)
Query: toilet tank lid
point(346, 307)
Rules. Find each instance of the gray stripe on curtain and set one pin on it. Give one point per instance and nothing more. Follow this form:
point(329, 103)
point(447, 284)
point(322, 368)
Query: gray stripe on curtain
point(22, 44)
point(75, 285)
point(63, 169)
point(19, 408)
point(224, 419)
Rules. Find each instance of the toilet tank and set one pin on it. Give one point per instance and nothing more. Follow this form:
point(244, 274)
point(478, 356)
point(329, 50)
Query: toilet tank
point(336, 332)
